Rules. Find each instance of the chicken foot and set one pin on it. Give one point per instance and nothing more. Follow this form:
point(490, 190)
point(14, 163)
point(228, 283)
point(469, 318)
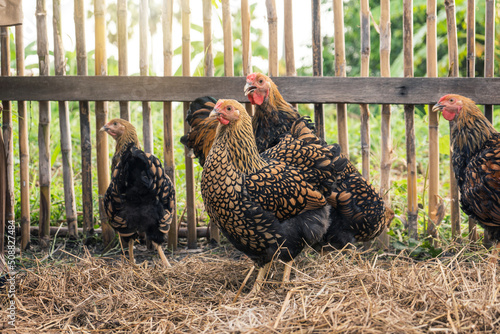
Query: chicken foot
point(162, 255)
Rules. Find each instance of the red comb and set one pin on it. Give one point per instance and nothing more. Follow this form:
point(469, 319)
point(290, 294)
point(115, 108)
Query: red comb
point(251, 77)
point(218, 104)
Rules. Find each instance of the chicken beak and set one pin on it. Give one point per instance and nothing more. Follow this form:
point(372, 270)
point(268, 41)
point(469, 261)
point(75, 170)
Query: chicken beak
point(104, 128)
point(214, 113)
point(437, 107)
point(249, 88)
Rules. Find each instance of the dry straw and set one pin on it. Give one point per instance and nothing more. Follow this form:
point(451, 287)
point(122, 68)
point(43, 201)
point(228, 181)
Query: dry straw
point(346, 292)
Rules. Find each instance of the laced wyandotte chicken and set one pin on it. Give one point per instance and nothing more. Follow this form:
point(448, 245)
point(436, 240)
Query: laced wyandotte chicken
point(140, 197)
point(270, 205)
point(476, 162)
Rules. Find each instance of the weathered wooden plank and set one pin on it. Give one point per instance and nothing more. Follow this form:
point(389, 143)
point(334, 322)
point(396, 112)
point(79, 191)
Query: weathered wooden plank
point(374, 90)
point(317, 50)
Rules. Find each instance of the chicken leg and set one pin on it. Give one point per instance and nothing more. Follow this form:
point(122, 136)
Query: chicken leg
point(131, 250)
point(260, 278)
point(162, 255)
point(286, 272)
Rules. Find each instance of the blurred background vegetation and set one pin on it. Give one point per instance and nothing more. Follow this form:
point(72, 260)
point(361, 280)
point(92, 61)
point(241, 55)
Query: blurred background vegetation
point(399, 238)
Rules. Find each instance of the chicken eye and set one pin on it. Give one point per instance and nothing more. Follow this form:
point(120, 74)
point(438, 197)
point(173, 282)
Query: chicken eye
point(452, 100)
point(115, 123)
point(228, 108)
point(261, 81)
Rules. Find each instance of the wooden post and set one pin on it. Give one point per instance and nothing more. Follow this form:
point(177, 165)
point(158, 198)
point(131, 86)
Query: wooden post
point(365, 72)
point(340, 71)
point(66, 151)
point(489, 69)
point(8, 135)
point(43, 126)
point(228, 39)
point(3, 190)
point(411, 155)
point(289, 51)
point(101, 116)
point(317, 55)
point(272, 20)
point(24, 153)
point(386, 142)
point(186, 59)
point(147, 122)
point(246, 45)
point(432, 72)
point(122, 52)
point(85, 137)
point(453, 61)
point(168, 128)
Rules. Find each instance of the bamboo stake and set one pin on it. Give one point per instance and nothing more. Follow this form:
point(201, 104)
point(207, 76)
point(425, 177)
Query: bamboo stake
point(24, 154)
point(340, 71)
point(43, 126)
point(317, 50)
point(207, 38)
point(8, 135)
point(289, 51)
point(101, 116)
point(365, 72)
point(245, 35)
point(209, 72)
point(411, 155)
point(272, 20)
point(228, 39)
point(489, 69)
point(123, 52)
point(186, 58)
point(3, 190)
point(168, 128)
point(147, 122)
point(385, 71)
point(66, 151)
point(453, 61)
point(433, 122)
point(85, 137)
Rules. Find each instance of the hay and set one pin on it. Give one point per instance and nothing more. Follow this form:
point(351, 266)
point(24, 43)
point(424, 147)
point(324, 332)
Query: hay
point(344, 292)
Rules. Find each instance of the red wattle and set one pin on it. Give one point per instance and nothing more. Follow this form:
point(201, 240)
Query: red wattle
point(223, 121)
point(449, 116)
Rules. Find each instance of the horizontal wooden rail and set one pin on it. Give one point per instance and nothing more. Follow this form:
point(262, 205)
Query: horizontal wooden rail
point(294, 89)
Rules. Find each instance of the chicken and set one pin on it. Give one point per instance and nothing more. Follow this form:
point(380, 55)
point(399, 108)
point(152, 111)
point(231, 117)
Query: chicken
point(268, 205)
point(140, 197)
point(476, 162)
point(358, 213)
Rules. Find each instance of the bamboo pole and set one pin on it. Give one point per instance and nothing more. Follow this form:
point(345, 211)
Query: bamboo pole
point(85, 137)
point(24, 154)
point(289, 51)
point(186, 58)
point(43, 126)
point(411, 155)
point(386, 142)
point(365, 72)
point(66, 151)
point(432, 72)
point(317, 54)
point(489, 69)
point(453, 61)
point(3, 189)
point(101, 115)
point(340, 71)
point(8, 135)
point(123, 52)
point(246, 45)
point(209, 72)
point(228, 39)
point(272, 20)
point(147, 122)
point(168, 128)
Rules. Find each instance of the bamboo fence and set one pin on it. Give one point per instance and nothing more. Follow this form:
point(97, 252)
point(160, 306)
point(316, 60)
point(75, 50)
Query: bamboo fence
point(318, 90)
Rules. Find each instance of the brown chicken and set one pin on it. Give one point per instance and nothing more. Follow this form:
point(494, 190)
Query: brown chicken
point(359, 212)
point(140, 197)
point(269, 205)
point(476, 162)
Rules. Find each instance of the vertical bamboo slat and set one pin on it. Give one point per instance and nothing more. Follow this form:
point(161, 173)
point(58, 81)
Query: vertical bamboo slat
point(245, 35)
point(317, 55)
point(228, 39)
point(147, 122)
point(453, 61)
point(8, 135)
point(433, 121)
point(340, 71)
point(3, 190)
point(123, 52)
point(43, 126)
point(411, 155)
point(85, 136)
point(386, 142)
point(66, 151)
point(272, 20)
point(24, 154)
point(101, 116)
point(168, 128)
point(289, 51)
point(365, 72)
point(186, 71)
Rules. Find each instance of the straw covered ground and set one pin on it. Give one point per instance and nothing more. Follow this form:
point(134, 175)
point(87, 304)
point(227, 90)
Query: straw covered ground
point(348, 292)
